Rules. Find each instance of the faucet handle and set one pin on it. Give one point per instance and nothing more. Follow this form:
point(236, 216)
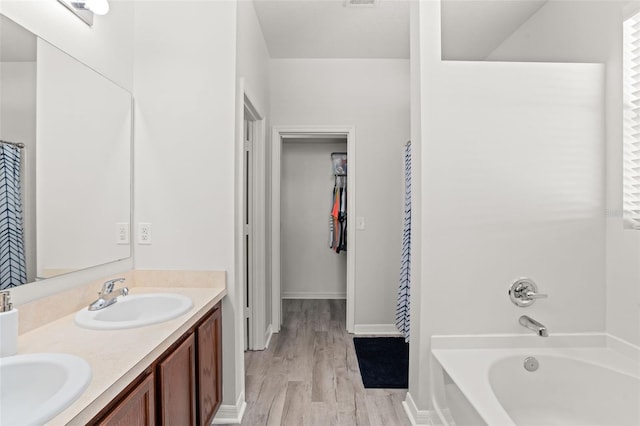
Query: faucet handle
point(108, 286)
point(523, 292)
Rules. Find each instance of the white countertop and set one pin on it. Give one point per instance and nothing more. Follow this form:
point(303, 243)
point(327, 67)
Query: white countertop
point(116, 356)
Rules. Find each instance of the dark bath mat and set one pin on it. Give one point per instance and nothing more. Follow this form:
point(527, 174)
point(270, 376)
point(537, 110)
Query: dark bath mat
point(383, 361)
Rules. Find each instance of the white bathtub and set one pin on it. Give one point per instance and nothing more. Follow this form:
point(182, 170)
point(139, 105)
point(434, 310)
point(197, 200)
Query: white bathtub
point(582, 386)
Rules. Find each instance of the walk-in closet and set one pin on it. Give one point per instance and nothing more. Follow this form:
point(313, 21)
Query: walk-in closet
point(313, 218)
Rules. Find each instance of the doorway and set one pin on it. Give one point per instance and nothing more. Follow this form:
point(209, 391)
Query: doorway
point(250, 221)
point(313, 247)
point(281, 137)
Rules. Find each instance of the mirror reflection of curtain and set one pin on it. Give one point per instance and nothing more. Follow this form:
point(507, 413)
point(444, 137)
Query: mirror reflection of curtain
point(403, 306)
point(13, 271)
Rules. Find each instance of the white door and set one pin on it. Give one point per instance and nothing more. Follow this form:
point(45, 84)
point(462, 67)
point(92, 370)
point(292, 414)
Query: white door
point(247, 248)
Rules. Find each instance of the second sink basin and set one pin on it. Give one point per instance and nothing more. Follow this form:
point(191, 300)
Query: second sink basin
point(34, 388)
point(135, 311)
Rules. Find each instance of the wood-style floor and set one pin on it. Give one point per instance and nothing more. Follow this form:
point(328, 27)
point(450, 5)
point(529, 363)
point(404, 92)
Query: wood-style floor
point(309, 375)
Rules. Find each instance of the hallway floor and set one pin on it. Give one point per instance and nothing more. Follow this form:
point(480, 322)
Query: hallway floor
point(309, 374)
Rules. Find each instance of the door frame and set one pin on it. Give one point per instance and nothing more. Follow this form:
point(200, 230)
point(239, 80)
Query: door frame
point(288, 132)
point(246, 101)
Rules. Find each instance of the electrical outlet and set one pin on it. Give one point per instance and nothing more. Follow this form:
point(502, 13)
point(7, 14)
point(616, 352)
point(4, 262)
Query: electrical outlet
point(144, 233)
point(122, 233)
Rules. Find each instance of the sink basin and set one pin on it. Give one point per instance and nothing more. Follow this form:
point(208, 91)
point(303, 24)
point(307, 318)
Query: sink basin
point(135, 311)
point(34, 388)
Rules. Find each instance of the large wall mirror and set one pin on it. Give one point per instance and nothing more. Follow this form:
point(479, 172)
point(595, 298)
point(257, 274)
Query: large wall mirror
point(65, 162)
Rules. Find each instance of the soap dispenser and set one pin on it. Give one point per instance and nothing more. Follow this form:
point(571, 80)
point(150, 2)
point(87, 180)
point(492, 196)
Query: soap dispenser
point(8, 326)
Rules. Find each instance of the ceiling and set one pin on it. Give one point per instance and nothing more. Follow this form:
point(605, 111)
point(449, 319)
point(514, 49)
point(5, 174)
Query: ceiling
point(471, 29)
point(328, 29)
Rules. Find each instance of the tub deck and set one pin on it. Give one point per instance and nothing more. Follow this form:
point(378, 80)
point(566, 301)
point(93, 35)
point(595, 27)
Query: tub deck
point(469, 368)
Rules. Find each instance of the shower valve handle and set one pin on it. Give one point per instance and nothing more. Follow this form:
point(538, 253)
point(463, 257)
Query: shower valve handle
point(523, 292)
point(534, 295)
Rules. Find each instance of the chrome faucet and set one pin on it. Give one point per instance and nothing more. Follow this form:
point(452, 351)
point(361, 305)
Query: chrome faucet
point(107, 296)
point(534, 325)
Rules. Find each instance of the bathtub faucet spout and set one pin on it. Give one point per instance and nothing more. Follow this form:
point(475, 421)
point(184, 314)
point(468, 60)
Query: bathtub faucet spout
point(534, 325)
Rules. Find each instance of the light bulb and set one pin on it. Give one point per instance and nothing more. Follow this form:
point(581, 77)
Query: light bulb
point(99, 7)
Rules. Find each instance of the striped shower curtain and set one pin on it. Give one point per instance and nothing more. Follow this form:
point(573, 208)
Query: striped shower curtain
point(404, 290)
point(13, 269)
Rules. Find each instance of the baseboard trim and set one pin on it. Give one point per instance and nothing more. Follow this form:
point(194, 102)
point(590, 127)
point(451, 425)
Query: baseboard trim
point(418, 417)
point(313, 295)
point(376, 330)
point(231, 414)
point(267, 336)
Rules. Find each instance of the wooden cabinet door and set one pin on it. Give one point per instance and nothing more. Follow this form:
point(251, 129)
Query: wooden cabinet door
point(209, 334)
point(177, 385)
point(137, 407)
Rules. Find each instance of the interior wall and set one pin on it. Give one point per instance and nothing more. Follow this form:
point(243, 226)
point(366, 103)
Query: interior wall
point(564, 31)
point(252, 64)
point(373, 96)
point(252, 55)
point(419, 356)
point(516, 190)
point(18, 124)
point(595, 35)
point(310, 270)
point(106, 47)
point(184, 87)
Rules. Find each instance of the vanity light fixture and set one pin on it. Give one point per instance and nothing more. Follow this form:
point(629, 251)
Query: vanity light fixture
point(361, 3)
point(85, 9)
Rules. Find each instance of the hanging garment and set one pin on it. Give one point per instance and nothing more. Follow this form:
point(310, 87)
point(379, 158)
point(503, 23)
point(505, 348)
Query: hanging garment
point(13, 265)
point(332, 228)
point(338, 216)
point(335, 217)
point(342, 217)
point(403, 306)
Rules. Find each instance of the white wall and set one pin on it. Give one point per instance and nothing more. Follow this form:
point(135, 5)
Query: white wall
point(106, 47)
point(563, 31)
point(517, 190)
point(185, 74)
point(512, 185)
point(423, 50)
point(252, 55)
point(309, 268)
point(18, 124)
point(373, 96)
point(252, 65)
point(595, 34)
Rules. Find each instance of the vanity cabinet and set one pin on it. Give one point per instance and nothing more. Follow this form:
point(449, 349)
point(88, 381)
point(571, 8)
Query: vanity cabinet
point(177, 385)
point(183, 386)
point(209, 334)
point(137, 407)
